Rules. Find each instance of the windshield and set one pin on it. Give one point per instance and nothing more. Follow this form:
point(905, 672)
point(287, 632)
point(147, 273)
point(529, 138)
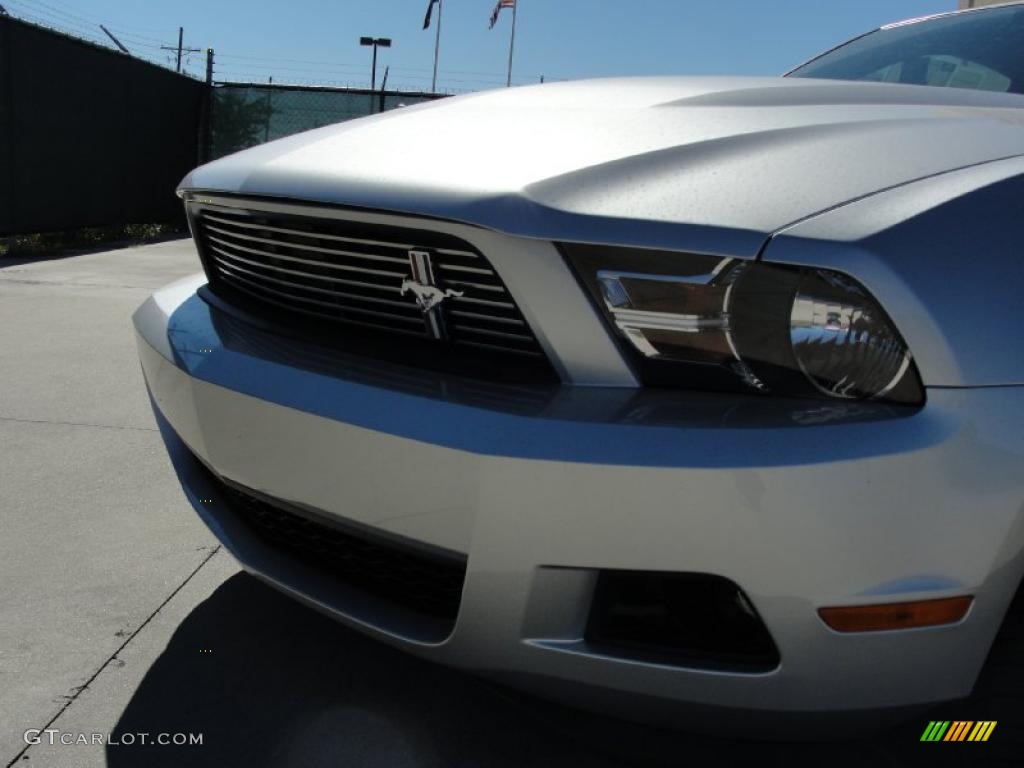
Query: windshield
point(983, 50)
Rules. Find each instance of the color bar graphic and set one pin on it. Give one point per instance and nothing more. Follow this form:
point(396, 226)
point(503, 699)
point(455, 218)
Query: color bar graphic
point(935, 730)
point(958, 730)
point(982, 730)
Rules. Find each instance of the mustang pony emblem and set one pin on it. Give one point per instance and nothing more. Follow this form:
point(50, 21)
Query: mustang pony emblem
point(427, 296)
point(423, 285)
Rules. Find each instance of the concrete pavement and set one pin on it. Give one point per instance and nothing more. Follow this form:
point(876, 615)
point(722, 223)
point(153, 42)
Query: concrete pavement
point(119, 614)
point(95, 534)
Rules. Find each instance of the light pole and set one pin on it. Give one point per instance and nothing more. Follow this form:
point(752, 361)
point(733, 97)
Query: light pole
point(383, 42)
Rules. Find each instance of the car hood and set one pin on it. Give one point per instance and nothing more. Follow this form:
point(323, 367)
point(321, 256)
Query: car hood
point(713, 164)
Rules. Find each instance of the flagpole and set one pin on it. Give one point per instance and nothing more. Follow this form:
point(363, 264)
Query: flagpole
point(512, 44)
point(437, 44)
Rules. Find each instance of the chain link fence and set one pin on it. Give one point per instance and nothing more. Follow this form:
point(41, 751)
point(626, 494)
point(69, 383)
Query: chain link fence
point(244, 115)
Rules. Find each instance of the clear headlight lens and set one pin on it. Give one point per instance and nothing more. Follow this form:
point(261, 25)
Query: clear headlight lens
point(843, 342)
point(709, 322)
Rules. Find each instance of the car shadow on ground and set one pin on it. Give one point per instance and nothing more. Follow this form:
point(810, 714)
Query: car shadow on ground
point(269, 682)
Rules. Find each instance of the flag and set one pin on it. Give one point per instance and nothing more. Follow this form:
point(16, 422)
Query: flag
point(430, 11)
point(497, 9)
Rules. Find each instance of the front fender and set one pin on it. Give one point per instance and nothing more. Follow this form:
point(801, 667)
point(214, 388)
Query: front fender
point(943, 256)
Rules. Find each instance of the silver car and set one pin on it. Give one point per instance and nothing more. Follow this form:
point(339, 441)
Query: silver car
point(662, 396)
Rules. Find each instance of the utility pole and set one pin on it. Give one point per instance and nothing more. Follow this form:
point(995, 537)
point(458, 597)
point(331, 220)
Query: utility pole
point(180, 49)
point(116, 41)
point(209, 66)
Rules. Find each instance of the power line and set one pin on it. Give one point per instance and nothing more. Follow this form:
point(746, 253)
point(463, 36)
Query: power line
point(51, 9)
point(141, 40)
point(331, 72)
point(248, 71)
point(90, 37)
point(46, 16)
point(86, 33)
point(86, 17)
point(84, 26)
point(90, 28)
point(345, 65)
point(148, 42)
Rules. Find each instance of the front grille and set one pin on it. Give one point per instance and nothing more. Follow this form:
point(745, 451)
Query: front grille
point(350, 274)
point(499, 395)
point(418, 581)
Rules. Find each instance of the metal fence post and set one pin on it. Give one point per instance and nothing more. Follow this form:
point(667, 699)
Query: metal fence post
point(207, 116)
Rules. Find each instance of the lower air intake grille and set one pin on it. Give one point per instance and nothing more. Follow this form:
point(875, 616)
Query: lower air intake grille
point(365, 280)
point(686, 619)
point(419, 581)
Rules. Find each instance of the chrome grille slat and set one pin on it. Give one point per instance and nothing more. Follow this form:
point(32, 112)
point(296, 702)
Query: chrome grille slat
point(329, 265)
point(332, 305)
point(483, 302)
point(510, 350)
point(310, 275)
point(496, 334)
point(476, 286)
point(348, 321)
point(369, 299)
point(313, 248)
point(326, 236)
point(489, 318)
point(470, 270)
point(351, 273)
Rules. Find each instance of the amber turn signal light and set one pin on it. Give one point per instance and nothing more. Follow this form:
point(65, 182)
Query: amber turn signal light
point(877, 618)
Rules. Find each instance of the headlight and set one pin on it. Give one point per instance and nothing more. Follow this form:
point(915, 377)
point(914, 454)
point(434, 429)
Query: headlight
point(708, 322)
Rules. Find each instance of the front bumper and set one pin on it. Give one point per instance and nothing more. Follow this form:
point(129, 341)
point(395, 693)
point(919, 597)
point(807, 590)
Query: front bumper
point(802, 505)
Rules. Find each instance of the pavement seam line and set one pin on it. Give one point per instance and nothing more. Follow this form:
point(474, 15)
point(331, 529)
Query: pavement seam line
point(76, 424)
point(81, 689)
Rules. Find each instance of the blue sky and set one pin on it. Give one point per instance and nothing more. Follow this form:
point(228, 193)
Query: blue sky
point(316, 41)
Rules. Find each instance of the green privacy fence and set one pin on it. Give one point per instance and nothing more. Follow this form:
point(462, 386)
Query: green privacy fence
point(243, 115)
point(91, 137)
